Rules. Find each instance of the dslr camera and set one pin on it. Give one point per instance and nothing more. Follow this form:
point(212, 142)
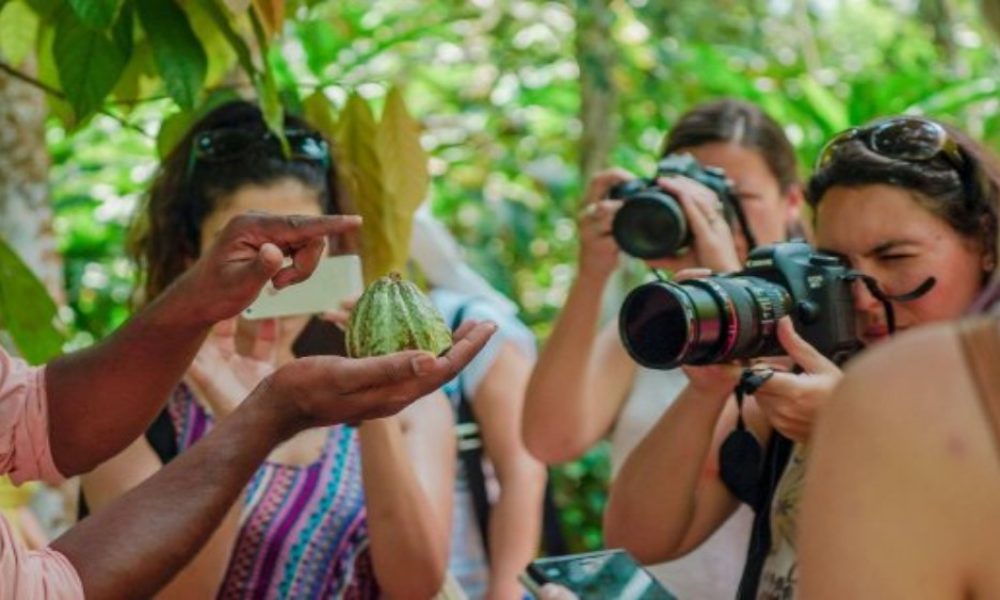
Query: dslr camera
point(651, 223)
point(722, 318)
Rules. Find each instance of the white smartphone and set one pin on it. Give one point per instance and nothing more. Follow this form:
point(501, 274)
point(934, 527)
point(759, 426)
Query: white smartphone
point(336, 278)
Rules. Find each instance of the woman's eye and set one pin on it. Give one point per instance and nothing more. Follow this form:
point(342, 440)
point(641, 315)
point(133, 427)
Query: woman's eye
point(893, 257)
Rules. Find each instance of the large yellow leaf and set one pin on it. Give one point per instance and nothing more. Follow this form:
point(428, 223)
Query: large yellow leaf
point(404, 171)
point(271, 14)
point(361, 174)
point(318, 112)
point(236, 6)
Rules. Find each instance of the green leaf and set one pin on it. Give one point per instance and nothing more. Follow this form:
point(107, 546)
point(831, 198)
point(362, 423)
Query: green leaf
point(89, 62)
point(139, 79)
point(97, 14)
point(180, 58)
point(18, 29)
point(26, 310)
point(48, 74)
point(267, 89)
point(223, 22)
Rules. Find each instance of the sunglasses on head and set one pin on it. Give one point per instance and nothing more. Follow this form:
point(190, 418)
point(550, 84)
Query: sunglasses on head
point(911, 139)
point(223, 145)
point(902, 138)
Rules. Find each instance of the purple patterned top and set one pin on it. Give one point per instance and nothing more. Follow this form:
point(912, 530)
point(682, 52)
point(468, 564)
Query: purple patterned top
point(303, 530)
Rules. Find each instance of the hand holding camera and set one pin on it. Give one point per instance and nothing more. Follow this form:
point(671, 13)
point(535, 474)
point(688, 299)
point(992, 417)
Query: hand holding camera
point(598, 250)
point(684, 210)
point(791, 401)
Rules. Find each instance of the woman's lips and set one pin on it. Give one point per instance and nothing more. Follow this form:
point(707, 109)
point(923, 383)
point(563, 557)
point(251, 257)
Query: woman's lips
point(875, 333)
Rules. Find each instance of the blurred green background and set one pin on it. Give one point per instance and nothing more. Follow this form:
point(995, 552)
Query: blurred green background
point(498, 86)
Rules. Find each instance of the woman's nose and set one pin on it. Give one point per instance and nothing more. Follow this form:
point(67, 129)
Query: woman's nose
point(864, 301)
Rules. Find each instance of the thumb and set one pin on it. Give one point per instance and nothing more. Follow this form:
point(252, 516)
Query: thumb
point(801, 351)
point(269, 260)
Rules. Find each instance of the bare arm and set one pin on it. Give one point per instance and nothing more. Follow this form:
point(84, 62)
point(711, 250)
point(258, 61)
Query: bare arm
point(134, 546)
point(668, 498)
point(902, 489)
point(102, 398)
point(580, 380)
point(408, 467)
point(116, 477)
point(515, 519)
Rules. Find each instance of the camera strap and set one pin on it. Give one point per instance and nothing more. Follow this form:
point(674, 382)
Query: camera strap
point(871, 284)
point(741, 456)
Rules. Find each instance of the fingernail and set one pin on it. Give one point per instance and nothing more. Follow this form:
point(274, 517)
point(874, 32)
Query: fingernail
point(422, 364)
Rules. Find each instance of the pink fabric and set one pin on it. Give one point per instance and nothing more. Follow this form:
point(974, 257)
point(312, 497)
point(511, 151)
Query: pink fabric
point(26, 575)
point(25, 455)
point(24, 423)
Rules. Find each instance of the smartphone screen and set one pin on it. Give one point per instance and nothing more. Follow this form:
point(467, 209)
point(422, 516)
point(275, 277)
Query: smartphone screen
point(605, 574)
point(336, 278)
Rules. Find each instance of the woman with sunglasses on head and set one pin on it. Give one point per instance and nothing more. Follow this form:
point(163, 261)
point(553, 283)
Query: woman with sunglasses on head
point(585, 386)
point(909, 203)
point(903, 489)
point(356, 512)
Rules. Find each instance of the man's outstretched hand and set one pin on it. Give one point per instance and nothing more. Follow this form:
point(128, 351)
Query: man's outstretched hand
point(324, 390)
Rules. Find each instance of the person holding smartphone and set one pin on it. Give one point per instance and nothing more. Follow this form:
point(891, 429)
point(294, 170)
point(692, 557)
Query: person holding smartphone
point(350, 511)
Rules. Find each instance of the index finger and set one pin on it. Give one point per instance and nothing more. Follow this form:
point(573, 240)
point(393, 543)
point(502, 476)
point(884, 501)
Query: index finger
point(293, 230)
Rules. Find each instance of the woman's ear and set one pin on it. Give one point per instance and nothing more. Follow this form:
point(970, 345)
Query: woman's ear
point(795, 199)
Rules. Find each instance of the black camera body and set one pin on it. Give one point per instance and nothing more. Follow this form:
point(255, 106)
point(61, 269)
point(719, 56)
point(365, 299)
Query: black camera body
point(652, 224)
point(722, 318)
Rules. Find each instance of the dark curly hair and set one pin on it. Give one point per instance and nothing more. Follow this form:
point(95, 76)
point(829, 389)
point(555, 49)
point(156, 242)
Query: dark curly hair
point(166, 235)
point(967, 201)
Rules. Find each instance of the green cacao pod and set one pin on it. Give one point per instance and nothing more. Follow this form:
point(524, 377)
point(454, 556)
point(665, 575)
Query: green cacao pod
point(394, 315)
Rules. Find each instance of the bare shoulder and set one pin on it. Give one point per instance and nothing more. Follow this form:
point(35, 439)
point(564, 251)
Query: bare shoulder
point(918, 378)
point(904, 464)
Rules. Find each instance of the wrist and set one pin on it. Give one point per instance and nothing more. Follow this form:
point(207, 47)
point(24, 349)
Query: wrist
point(182, 305)
point(592, 278)
point(276, 418)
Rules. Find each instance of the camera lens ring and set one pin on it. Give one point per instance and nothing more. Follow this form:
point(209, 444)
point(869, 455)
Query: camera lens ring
point(729, 325)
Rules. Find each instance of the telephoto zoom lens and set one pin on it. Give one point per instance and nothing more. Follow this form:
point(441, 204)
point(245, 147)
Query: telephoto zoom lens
point(714, 320)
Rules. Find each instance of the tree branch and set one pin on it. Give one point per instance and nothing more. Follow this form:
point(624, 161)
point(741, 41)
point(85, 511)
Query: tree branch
point(48, 89)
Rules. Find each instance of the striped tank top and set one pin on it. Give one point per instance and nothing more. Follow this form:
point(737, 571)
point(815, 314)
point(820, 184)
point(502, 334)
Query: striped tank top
point(303, 530)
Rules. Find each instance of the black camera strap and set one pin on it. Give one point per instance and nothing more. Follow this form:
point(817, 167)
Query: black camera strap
point(871, 284)
point(741, 455)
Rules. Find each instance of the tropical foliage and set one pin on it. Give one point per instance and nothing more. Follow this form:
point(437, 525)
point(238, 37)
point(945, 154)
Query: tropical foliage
point(499, 90)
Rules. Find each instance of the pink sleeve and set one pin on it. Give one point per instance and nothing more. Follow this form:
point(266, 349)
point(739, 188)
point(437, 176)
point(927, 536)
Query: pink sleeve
point(24, 423)
point(27, 575)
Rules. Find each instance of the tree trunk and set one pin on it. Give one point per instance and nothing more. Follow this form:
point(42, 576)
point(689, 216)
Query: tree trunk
point(595, 55)
point(25, 206)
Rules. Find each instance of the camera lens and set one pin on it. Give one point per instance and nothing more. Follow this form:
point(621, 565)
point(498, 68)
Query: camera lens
point(702, 321)
point(650, 224)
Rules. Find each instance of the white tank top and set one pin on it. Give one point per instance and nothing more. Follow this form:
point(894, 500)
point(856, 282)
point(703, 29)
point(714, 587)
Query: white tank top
point(713, 570)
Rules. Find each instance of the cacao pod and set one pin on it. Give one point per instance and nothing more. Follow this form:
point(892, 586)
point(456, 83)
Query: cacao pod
point(394, 315)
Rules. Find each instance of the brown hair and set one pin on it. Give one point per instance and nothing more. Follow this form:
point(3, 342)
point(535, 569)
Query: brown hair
point(967, 201)
point(166, 236)
point(738, 122)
